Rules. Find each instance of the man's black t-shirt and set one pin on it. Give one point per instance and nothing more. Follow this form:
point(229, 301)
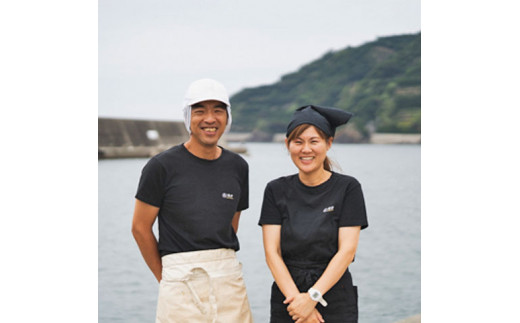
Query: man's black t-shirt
point(311, 216)
point(197, 198)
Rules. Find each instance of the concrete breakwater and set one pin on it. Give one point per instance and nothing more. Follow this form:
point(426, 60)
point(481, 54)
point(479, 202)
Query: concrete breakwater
point(412, 319)
point(133, 138)
point(395, 138)
point(128, 138)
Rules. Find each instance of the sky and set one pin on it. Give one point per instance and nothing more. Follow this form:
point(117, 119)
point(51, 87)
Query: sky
point(150, 51)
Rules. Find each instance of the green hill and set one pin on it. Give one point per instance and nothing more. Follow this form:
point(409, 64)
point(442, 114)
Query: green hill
point(380, 82)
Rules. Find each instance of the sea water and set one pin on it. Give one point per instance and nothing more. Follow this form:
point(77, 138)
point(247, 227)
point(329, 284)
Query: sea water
point(386, 270)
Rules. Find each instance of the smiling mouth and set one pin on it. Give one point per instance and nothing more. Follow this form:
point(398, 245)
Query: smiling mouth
point(306, 158)
point(210, 129)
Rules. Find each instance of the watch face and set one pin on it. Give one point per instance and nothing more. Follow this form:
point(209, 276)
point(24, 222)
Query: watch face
point(315, 295)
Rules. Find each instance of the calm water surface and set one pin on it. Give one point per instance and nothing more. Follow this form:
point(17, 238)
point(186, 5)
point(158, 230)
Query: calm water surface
point(387, 267)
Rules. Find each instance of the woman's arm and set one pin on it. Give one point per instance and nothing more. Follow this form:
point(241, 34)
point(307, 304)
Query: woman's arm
point(273, 257)
point(282, 277)
point(348, 238)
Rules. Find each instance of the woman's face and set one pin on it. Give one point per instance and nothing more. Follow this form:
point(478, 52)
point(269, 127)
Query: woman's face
point(308, 151)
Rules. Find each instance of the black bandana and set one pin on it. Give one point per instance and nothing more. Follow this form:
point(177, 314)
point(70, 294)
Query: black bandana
point(326, 119)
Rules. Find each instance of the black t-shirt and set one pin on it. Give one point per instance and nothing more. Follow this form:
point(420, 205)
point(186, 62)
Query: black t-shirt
point(197, 198)
point(311, 216)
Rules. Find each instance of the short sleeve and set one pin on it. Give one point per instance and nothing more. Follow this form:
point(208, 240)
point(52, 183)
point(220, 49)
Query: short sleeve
point(270, 213)
point(151, 184)
point(243, 203)
point(354, 211)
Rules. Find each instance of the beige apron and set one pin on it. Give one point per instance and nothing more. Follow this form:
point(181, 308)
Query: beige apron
point(203, 286)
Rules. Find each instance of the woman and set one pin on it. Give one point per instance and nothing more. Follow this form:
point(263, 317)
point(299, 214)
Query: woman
point(311, 223)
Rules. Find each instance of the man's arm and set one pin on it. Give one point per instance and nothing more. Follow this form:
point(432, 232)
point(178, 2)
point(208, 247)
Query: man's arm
point(144, 217)
point(234, 222)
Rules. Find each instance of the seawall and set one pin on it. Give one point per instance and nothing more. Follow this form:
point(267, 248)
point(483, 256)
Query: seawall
point(128, 138)
point(412, 319)
point(134, 138)
point(395, 138)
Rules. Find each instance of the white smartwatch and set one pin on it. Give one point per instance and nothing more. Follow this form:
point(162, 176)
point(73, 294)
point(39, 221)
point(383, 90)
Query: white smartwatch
point(316, 296)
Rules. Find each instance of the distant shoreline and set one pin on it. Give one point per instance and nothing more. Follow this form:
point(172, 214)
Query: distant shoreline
point(241, 147)
point(127, 138)
point(375, 138)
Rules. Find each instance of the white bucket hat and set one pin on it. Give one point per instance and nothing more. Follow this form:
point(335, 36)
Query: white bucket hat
point(203, 90)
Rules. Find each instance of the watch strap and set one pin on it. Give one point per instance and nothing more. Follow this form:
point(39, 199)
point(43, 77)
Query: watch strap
point(317, 296)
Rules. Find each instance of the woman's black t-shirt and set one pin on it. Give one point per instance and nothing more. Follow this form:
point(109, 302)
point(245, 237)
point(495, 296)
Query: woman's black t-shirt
point(311, 216)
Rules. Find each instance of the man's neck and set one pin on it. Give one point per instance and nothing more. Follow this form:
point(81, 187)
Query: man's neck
point(202, 151)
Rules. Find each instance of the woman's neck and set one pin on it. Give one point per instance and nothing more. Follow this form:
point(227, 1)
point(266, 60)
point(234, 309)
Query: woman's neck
point(315, 178)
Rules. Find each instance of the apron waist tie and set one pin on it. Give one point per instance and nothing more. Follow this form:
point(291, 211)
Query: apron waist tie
point(305, 274)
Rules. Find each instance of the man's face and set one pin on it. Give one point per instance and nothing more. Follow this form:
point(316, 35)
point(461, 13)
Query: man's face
point(208, 122)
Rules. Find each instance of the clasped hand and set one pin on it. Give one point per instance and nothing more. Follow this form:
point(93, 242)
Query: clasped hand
point(302, 309)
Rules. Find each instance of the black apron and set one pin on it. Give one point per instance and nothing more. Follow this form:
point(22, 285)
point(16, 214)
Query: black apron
point(309, 240)
point(342, 298)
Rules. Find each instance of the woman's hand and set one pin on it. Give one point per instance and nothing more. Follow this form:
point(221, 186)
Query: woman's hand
point(315, 317)
point(300, 306)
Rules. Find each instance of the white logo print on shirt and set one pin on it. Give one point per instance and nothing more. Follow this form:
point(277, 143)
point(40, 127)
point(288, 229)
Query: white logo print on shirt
point(227, 196)
point(328, 209)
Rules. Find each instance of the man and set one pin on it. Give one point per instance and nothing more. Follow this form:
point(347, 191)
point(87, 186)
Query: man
point(196, 190)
